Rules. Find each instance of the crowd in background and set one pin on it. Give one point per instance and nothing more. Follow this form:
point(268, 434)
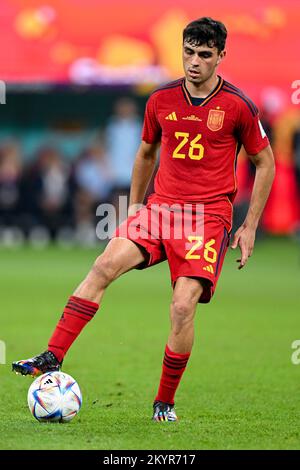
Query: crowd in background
point(50, 197)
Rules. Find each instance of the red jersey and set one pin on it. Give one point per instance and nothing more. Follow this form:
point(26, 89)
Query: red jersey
point(200, 144)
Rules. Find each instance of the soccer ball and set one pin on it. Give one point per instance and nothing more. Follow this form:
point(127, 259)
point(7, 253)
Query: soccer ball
point(55, 397)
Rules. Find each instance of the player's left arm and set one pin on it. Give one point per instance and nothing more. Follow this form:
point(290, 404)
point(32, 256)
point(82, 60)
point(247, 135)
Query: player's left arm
point(264, 176)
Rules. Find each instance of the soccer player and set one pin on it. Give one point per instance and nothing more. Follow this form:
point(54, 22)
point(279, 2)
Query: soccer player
point(200, 123)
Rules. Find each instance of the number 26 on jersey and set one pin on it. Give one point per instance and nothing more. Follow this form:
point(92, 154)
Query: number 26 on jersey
point(187, 147)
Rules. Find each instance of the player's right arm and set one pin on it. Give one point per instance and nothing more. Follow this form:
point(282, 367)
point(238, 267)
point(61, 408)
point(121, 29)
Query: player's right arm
point(143, 169)
point(145, 160)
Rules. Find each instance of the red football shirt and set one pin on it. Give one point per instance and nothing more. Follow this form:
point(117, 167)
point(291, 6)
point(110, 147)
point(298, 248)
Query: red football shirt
point(200, 144)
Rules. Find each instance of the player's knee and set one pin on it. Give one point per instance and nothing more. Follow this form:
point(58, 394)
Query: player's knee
point(104, 269)
point(182, 311)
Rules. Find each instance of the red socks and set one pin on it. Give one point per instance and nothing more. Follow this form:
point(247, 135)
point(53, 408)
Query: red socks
point(77, 313)
point(174, 365)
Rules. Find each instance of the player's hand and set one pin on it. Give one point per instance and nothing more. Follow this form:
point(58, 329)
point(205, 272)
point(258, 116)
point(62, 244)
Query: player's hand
point(244, 238)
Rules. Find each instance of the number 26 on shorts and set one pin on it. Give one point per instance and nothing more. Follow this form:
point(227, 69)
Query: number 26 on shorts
point(210, 254)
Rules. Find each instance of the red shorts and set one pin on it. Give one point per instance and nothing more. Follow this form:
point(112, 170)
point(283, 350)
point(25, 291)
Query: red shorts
point(193, 242)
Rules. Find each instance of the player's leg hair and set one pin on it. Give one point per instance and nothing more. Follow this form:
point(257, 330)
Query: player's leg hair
point(120, 255)
point(186, 294)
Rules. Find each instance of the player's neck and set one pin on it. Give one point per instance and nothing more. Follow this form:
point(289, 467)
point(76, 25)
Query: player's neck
point(202, 90)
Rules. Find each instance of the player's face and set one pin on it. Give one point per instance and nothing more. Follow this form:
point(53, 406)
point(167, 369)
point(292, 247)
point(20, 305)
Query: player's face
point(200, 62)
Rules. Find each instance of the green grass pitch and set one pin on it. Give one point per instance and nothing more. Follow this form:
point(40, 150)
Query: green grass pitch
point(240, 390)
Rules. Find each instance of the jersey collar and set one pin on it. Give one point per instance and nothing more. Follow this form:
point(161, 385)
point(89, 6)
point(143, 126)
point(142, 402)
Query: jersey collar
point(213, 93)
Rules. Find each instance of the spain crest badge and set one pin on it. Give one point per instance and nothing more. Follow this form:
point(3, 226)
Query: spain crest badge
point(215, 119)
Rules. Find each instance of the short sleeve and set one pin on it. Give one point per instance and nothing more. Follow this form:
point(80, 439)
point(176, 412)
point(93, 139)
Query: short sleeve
point(250, 130)
point(151, 129)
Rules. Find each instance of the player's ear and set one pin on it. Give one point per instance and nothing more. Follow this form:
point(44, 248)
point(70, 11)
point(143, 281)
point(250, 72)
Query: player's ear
point(221, 56)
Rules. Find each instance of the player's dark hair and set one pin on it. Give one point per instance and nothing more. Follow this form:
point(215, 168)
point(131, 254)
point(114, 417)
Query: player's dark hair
point(206, 31)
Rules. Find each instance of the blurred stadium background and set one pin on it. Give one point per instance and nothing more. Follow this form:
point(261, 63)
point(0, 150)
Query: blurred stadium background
point(77, 77)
